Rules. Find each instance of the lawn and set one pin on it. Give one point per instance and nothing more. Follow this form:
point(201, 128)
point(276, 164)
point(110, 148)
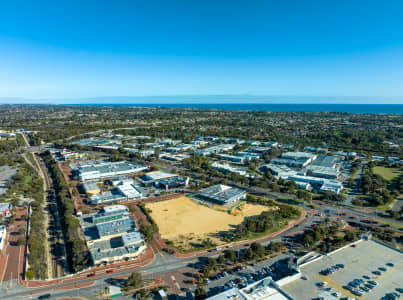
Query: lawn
point(386, 172)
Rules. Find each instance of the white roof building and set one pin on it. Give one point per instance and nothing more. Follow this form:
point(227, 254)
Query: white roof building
point(96, 169)
point(228, 168)
point(260, 290)
point(129, 191)
point(157, 175)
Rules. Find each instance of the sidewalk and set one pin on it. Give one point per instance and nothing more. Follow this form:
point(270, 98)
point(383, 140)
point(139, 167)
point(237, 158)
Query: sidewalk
point(145, 259)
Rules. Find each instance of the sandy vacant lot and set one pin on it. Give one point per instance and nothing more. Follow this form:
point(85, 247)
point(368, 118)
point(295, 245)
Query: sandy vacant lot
point(183, 221)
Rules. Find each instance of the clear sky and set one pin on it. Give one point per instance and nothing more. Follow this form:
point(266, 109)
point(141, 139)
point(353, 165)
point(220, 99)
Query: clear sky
point(79, 49)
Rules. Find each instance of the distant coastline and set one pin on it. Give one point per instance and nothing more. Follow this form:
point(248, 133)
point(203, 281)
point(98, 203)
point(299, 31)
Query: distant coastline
point(275, 107)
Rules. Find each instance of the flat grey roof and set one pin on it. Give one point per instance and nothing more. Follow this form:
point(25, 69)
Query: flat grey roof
point(324, 161)
point(115, 227)
point(221, 193)
point(365, 258)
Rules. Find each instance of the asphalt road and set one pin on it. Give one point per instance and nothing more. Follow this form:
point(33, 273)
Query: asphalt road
point(162, 263)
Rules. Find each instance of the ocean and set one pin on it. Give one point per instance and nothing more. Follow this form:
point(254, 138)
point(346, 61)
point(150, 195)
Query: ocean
point(343, 108)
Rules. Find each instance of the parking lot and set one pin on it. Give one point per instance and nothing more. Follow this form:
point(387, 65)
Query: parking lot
point(360, 262)
point(242, 276)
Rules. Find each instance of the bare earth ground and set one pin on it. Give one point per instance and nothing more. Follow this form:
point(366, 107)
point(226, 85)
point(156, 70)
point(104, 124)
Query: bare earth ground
point(183, 221)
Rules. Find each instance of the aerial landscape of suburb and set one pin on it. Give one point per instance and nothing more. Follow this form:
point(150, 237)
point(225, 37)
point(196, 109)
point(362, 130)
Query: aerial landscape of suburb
point(191, 150)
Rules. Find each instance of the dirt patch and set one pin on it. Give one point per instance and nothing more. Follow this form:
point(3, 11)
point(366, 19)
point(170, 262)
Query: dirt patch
point(185, 222)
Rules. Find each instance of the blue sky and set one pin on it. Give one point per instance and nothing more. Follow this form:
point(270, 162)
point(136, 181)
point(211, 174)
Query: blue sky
point(81, 49)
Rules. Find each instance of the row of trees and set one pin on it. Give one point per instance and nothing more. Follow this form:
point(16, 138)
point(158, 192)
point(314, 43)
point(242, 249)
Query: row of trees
point(28, 184)
point(326, 237)
point(78, 256)
point(371, 182)
point(147, 230)
point(266, 221)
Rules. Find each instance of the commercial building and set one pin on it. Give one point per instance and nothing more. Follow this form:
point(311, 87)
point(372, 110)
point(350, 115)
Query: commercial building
point(377, 158)
point(129, 191)
point(5, 209)
point(107, 197)
point(97, 170)
point(270, 144)
point(323, 172)
point(322, 184)
point(125, 247)
point(144, 152)
point(180, 148)
point(233, 158)
point(263, 289)
point(120, 180)
point(249, 155)
point(280, 171)
point(111, 235)
point(109, 213)
point(91, 142)
point(122, 192)
point(174, 157)
point(304, 185)
point(228, 168)
point(222, 194)
point(359, 262)
point(294, 159)
point(68, 155)
point(110, 229)
point(164, 180)
point(215, 149)
point(394, 159)
point(325, 161)
point(3, 234)
point(259, 149)
point(155, 176)
point(315, 149)
point(91, 187)
point(173, 182)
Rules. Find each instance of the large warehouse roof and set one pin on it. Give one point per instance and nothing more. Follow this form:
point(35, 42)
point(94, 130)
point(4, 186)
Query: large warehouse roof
point(222, 193)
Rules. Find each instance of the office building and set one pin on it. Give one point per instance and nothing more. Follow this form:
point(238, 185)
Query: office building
point(97, 170)
point(294, 159)
point(222, 194)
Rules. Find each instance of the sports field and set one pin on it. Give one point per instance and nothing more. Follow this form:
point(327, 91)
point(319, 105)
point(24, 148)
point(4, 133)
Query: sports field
point(387, 173)
point(185, 222)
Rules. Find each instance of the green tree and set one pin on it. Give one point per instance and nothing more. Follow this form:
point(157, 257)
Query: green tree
point(135, 280)
point(230, 255)
point(200, 293)
point(29, 275)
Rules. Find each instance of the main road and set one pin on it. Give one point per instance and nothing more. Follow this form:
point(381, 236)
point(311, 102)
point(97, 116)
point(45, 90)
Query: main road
point(162, 263)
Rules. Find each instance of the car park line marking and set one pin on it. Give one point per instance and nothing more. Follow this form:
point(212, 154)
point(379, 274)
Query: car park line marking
point(336, 286)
